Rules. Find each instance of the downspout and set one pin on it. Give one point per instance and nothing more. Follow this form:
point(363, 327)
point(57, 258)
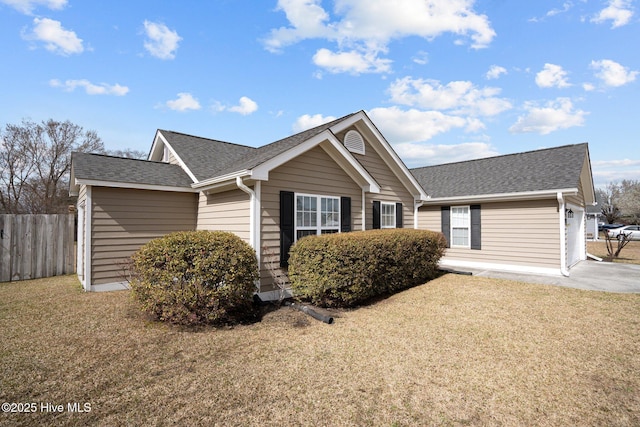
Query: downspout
point(254, 229)
point(563, 237)
point(416, 205)
point(252, 210)
point(364, 212)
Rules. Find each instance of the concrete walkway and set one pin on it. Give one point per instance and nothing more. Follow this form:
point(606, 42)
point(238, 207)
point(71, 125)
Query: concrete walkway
point(588, 275)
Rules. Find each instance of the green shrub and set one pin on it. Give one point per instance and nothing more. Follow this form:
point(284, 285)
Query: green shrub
point(195, 277)
point(346, 269)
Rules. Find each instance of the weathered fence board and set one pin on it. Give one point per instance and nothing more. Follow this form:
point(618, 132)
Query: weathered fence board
point(35, 246)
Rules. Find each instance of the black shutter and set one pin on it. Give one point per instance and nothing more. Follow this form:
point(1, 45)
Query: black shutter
point(475, 227)
point(287, 228)
point(446, 223)
point(345, 214)
point(376, 215)
point(399, 215)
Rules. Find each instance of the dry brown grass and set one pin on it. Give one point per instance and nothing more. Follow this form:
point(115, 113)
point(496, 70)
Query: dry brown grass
point(630, 254)
point(459, 350)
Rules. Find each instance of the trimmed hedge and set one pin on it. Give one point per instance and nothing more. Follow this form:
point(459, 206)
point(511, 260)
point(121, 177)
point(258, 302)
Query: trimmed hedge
point(195, 277)
point(342, 270)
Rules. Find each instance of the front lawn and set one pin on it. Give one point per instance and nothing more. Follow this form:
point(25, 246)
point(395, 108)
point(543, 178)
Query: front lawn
point(630, 254)
point(459, 350)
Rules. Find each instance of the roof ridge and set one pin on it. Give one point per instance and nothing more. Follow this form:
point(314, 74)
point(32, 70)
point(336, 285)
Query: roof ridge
point(501, 155)
point(205, 138)
point(119, 157)
point(326, 126)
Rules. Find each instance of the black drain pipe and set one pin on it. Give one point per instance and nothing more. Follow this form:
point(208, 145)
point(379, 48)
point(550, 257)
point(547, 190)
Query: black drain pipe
point(306, 310)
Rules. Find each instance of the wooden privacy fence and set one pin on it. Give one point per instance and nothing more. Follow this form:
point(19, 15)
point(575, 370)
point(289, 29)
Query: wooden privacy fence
point(35, 246)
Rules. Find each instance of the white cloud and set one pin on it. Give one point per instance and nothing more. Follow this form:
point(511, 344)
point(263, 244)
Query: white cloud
point(588, 87)
point(184, 102)
point(27, 6)
point(618, 11)
point(90, 88)
point(553, 116)
point(56, 39)
point(607, 171)
point(421, 154)
point(307, 121)
point(245, 107)
point(402, 126)
point(460, 97)
point(368, 26)
point(351, 62)
point(552, 76)
point(612, 73)
point(161, 42)
point(495, 72)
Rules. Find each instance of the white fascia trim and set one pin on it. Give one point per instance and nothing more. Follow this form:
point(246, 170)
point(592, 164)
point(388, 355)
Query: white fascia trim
point(180, 162)
point(513, 268)
point(88, 229)
point(344, 154)
point(261, 172)
point(526, 195)
point(115, 184)
point(222, 179)
point(399, 164)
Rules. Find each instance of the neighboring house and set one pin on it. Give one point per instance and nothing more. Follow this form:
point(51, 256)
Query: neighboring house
point(338, 177)
point(520, 212)
point(593, 220)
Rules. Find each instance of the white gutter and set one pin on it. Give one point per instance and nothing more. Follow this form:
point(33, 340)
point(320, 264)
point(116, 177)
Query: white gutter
point(563, 237)
point(528, 195)
point(219, 179)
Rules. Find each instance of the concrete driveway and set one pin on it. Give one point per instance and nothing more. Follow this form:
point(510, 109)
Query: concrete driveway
point(588, 275)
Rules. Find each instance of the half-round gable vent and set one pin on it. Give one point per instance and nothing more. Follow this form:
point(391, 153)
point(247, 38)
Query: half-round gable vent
point(354, 142)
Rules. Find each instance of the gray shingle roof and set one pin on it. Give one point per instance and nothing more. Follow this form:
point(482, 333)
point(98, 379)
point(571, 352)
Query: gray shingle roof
point(548, 169)
point(208, 158)
point(99, 167)
point(204, 157)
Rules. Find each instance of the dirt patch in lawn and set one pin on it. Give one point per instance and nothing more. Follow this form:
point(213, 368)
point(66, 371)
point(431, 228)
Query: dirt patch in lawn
point(460, 350)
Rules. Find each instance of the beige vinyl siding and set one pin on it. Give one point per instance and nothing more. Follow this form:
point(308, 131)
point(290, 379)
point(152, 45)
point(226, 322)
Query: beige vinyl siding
point(313, 172)
point(125, 219)
point(517, 233)
point(226, 211)
point(391, 189)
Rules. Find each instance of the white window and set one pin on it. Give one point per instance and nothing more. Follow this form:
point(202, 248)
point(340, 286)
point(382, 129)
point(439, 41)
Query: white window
point(387, 215)
point(460, 226)
point(317, 215)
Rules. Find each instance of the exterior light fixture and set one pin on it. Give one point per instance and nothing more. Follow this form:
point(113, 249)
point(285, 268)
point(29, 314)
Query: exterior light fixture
point(568, 213)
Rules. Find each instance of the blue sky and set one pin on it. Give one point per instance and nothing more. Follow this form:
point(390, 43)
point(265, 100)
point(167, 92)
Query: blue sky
point(444, 80)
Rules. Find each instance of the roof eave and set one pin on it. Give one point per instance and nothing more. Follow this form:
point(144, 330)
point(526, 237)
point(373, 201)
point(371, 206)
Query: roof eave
point(397, 165)
point(502, 197)
point(132, 185)
point(217, 180)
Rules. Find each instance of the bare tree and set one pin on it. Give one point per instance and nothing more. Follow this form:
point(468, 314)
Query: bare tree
point(128, 153)
point(630, 200)
point(34, 161)
point(609, 200)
